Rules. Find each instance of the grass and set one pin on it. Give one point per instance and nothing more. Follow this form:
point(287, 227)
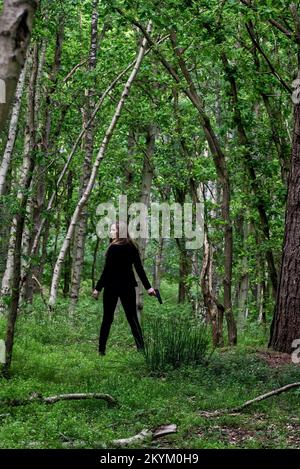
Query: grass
point(59, 355)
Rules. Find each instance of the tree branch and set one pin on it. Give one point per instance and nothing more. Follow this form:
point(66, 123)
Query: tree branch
point(250, 30)
point(275, 392)
point(36, 397)
point(273, 22)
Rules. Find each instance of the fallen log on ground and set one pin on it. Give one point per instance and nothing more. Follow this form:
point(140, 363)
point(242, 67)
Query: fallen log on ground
point(36, 397)
point(147, 434)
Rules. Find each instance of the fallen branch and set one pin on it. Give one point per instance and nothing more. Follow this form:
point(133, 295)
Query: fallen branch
point(147, 434)
point(36, 397)
point(143, 435)
point(234, 410)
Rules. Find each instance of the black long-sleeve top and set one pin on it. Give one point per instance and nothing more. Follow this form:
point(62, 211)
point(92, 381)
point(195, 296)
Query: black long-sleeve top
point(118, 271)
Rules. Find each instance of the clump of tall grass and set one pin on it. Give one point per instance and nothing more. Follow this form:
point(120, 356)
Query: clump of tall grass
point(174, 340)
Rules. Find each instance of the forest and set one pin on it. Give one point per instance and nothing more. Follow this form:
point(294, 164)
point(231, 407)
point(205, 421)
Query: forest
point(182, 117)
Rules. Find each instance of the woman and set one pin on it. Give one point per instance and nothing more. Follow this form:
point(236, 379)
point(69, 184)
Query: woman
point(119, 281)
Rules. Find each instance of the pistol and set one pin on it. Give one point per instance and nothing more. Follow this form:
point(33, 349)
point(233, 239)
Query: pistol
point(158, 295)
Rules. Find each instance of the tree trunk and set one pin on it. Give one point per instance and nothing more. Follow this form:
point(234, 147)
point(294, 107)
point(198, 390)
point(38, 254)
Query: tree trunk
point(262, 298)
point(81, 227)
point(214, 310)
point(286, 322)
point(68, 261)
point(12, 133)
point(243, 286)
point(158, 263)
point(147, 177)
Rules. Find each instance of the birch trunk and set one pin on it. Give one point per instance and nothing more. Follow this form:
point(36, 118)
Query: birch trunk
point(12, 133)
point(29, 138)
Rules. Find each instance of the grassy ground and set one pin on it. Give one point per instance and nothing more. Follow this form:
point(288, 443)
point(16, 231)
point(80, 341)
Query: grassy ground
point(59, 355)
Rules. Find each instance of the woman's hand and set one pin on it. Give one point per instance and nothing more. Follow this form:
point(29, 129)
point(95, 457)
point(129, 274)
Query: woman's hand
point(151, 292)
point(95, 294)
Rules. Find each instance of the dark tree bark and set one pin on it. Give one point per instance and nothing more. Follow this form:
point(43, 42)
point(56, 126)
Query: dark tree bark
point(286, 322)
point(285, 326)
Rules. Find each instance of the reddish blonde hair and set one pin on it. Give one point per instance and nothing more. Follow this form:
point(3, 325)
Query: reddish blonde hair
point(123, 240)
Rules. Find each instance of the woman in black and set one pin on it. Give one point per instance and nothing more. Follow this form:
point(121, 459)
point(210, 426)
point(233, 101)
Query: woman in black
point(118, 280)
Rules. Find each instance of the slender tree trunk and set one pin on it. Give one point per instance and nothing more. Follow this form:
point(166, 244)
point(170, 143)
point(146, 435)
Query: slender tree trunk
point(147, 177)
point(158, 263)
point(185, 267)
point(68, 261)
point(243, 286)
point(214, 310)
point(81, 228)
point(262, 298)
point(12, 133)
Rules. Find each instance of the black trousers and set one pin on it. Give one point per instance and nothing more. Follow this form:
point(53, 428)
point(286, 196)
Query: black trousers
point(128, 301)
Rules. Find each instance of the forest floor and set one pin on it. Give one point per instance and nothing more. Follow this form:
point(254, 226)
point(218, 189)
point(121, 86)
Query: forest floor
point(59, 355)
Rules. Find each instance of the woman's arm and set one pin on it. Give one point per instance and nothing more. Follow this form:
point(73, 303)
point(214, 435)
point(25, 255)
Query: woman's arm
point(140, 269)
point(100, 283)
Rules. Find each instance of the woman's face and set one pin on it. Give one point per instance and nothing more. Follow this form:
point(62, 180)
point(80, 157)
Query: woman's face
point(113, 231)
